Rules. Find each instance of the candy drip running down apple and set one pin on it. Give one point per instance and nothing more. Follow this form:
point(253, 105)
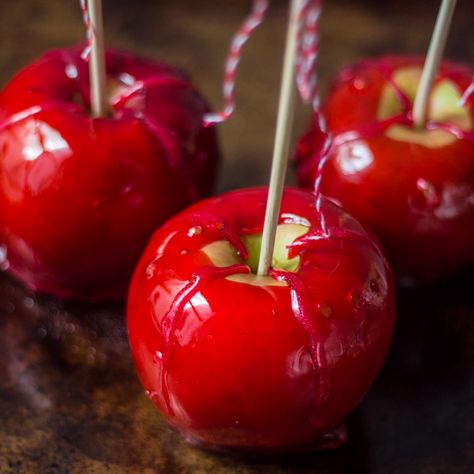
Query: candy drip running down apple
point(414, 188)
point(80, 197)
point(273, 363)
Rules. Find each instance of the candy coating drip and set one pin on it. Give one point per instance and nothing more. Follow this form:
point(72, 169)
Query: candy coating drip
point(386, 68)
point(202, 277)
point(310, 240)
point(312, 324)
point(221, 226)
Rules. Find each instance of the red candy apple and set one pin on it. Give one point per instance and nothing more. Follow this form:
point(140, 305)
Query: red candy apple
point(237, 361)
point(79, 197)
point(414, 188)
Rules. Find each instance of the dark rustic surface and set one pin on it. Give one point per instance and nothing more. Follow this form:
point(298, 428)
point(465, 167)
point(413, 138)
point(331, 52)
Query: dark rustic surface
point(69, 399)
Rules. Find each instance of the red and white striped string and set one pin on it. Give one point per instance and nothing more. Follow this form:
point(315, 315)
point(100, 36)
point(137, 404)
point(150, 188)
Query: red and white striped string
point(308, 52)
point(306, 77)
point(245, 31)
point(89, 33)
point(467, 94)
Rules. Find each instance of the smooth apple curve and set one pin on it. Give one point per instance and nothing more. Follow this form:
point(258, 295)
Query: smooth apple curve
point(238, 361)
point(414, 188)
point(80, 197)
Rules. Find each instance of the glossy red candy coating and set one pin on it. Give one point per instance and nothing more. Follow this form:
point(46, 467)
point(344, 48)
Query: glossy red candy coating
point(80, 197)
point(236, 366)
point(419, 201)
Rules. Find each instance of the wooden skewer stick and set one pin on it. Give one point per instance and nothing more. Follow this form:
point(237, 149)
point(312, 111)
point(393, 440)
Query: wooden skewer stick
point(433, 59)
point(282, 141)
point(97, 74)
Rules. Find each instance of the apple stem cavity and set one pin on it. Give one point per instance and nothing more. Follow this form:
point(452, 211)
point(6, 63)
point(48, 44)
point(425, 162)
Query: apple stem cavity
point(97, 73)
point(432, 62)
point(282, 140)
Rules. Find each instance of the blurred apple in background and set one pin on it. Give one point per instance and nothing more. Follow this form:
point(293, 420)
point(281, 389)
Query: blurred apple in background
point(414, 188)
point(79, 197)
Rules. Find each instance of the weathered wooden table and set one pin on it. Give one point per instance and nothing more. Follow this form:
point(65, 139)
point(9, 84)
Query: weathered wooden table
point(69, 398)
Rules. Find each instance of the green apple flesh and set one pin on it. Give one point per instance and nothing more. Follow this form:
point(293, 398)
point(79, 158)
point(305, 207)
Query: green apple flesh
point(443, 107)
point(223, 254)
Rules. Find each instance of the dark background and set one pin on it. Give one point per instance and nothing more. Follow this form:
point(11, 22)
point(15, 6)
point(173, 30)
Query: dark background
point(69, 399)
